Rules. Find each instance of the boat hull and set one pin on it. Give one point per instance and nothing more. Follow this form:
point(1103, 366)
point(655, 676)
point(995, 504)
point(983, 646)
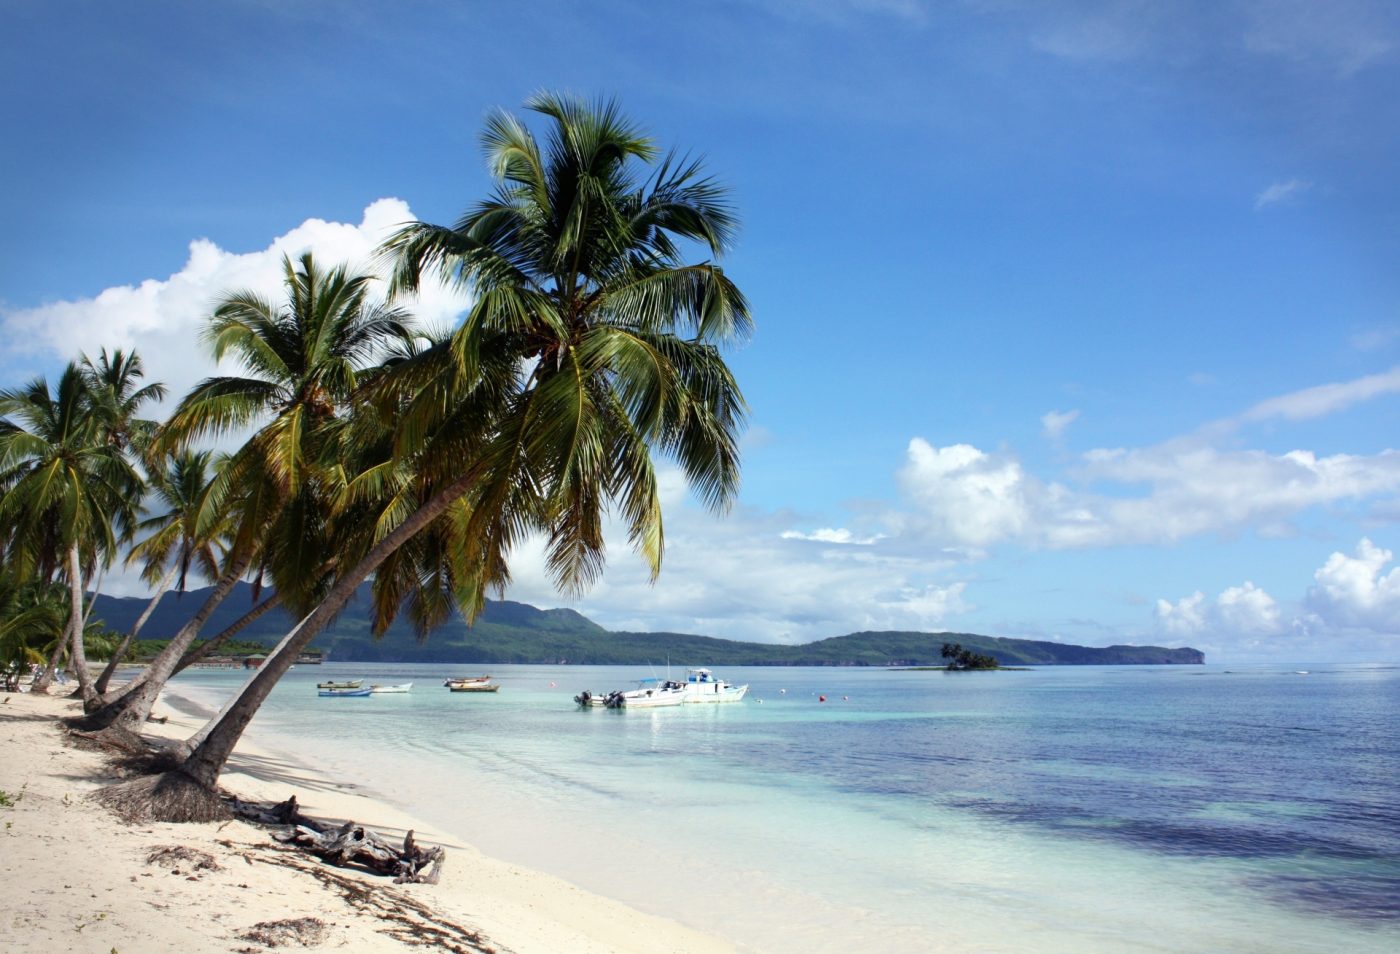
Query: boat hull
point(381, 690)
point(347, 693)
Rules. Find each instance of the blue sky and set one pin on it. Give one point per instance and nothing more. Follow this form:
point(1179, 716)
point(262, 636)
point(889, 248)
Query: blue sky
point(1075, 321)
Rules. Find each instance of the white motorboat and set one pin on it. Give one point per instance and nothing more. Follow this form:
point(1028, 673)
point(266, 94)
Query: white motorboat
point(401, 687)
point(649, 694)
point(701, 685)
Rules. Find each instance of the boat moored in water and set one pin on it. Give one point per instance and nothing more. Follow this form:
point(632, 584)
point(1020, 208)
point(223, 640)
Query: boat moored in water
point(349, 684)
point(472, 685)
point(649, 694)
point(401, 687)
point(343, 691)
point(701, 685)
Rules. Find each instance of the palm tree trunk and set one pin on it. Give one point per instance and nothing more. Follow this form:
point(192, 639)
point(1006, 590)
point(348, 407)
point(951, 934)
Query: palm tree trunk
point(214, 743)
point(130, 637)
point(195, 655)
point(41, 684)
point(133, 707)
point(76, 620)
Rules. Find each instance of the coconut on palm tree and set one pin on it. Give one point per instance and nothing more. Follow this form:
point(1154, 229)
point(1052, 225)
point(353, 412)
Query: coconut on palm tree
point(593, 343)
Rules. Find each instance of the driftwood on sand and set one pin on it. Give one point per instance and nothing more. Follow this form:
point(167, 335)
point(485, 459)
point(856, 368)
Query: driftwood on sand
point(347, 846)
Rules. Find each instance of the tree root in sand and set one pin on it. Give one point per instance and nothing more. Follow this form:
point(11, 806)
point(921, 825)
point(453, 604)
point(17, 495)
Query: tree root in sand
point(400, 915)
point(168, 797)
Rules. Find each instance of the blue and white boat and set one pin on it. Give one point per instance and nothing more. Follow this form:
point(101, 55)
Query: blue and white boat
point(356, 692)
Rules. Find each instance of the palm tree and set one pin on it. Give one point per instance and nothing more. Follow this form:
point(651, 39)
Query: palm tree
point(181, 537)
point(113, 380)
point(67, 494)
point(302, 361)
point(592, 343)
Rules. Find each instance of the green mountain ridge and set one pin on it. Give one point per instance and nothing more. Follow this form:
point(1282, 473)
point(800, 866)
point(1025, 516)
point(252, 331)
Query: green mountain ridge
point(509, 632)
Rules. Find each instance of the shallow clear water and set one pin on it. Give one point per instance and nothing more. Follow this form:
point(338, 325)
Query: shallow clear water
point(1084, 808)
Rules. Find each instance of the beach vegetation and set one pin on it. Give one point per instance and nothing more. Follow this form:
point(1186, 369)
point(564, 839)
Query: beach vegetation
point(593, 344)
point(268, 502)
point(68, 489)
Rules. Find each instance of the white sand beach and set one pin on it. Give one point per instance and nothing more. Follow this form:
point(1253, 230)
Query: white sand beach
point(78, 879)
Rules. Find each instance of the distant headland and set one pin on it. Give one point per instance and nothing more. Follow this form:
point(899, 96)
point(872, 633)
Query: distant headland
point(509, 632)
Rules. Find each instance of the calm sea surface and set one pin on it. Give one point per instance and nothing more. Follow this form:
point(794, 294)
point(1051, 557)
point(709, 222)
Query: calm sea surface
point(1077, 808)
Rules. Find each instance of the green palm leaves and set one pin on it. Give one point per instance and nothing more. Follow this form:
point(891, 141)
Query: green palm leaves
point(577, 266)
point(302, 359)
point(63, 483)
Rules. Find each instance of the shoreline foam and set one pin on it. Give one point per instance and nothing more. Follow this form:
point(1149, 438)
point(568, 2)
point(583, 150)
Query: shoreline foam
point(79, 880)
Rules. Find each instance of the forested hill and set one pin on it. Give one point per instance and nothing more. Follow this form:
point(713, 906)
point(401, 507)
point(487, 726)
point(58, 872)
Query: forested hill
point(509, 632)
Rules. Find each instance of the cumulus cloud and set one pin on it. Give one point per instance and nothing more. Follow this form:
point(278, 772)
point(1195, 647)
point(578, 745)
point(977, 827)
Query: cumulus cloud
point(1355, 591)
point(966, 496)
point(1278, 193)
point(162, 317)
point(1054, 423)
point(1244, 610)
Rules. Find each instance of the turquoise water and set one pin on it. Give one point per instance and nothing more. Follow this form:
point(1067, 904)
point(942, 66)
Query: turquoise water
point(1084, 808)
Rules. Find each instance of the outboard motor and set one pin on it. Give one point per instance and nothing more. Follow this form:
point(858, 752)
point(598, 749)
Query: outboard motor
point(584, 698)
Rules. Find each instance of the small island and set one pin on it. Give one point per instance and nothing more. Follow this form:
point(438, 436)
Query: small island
point(965, 660)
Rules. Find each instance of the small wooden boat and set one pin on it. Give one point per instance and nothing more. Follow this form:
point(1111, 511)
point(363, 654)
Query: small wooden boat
point(357, 693)
point(473, 686)
point(401, 687)
point(463, 680)
point(354, 684)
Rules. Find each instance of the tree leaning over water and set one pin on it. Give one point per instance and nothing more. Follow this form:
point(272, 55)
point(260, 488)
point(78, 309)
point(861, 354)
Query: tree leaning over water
point(591, 345)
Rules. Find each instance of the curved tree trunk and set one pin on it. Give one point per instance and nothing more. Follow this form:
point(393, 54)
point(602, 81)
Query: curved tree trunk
point(76, 621)
point(195, 655)
point(130, 637)
point(41, 685)
point(210, 747)
point(133, 707)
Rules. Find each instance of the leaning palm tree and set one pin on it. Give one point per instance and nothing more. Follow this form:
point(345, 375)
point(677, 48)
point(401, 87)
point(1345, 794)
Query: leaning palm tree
point(180, 537)
point(302, 359)
point(592, 345)
point(67, 495)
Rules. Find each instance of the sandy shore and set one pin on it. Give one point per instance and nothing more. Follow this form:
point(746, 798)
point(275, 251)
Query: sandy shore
point(77, 879)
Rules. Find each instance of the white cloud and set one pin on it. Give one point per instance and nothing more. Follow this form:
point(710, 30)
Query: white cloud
point(1325, 399)
point(1248, 609)
point(1354, 592)
point(1239, 611)
point(1185, 617)
point(960, 495)
point(1277, 193)
point(830, 535)
point(162, 318)
point(743, 577)
point(965, 496)
point(1054, 423)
